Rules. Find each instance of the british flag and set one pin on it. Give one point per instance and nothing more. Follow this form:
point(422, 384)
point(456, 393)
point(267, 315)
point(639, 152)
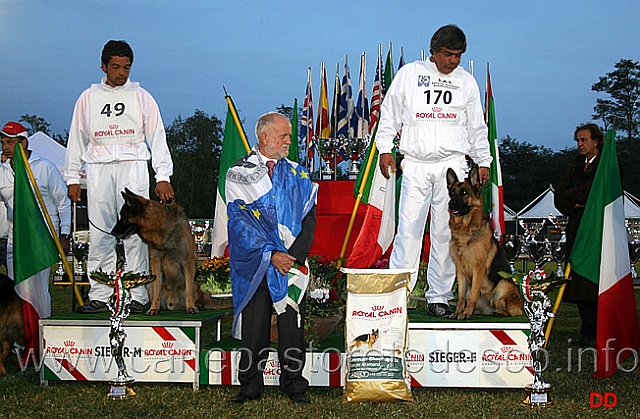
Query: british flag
point(306, 120)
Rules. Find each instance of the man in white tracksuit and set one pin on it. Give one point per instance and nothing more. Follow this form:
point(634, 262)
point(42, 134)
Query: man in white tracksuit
point(435, 104)
point(34, 290)
point(116, 129)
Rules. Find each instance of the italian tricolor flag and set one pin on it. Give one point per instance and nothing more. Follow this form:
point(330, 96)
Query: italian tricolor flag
point(378, 227)
point(600, 254)
point(493, 194)
point(34, 250)
point(234, 147)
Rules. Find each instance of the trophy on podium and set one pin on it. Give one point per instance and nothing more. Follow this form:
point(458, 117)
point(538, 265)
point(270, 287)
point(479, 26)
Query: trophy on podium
point(328, 148)
point(354, 148)
point(119, 306)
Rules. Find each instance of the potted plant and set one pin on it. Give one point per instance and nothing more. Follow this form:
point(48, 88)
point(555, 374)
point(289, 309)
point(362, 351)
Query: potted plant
point(213, 276)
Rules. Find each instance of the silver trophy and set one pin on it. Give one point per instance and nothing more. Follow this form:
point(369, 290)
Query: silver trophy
point(530, 246)
point(633, 228)
point(119, 306)
point(355, 147)
point(328, 149)
point(199, 228)
point(81, 253)
point(559, 250)
point(512, 249)
point(78, 254)
point(537, 306)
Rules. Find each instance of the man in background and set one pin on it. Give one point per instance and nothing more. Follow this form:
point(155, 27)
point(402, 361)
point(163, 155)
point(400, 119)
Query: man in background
point(35, 289)
point(570, 199)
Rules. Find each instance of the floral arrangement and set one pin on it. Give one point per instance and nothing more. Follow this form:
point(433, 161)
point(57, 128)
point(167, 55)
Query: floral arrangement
point(213, 275)
point(324, 297)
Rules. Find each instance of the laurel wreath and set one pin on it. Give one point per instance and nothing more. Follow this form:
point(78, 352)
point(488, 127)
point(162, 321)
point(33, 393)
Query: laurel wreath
point(129, 278)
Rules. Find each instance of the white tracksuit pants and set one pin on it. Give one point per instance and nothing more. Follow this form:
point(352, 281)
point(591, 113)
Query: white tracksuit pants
point(424, 186)
point(105, 182)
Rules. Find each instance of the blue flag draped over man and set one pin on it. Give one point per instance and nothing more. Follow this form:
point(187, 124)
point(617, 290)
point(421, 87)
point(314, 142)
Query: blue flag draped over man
point(271, 204)
point(257, 205)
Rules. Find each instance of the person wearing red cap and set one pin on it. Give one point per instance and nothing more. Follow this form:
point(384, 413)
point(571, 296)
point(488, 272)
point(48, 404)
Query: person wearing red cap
point(34, 290)
point(116, 129)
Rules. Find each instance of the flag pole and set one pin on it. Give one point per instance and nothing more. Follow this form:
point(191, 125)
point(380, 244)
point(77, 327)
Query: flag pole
point(52, 230)
point(556, 306)
point(236, 120)
point(367, 169)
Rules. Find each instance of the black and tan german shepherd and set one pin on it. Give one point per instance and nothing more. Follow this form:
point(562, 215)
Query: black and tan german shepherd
point(477, 255)
point(165, 229)
point(11, 320)
point(368, 338)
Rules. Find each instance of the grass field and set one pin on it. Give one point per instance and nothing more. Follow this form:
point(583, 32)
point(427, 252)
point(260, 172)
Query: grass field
point(21, 394)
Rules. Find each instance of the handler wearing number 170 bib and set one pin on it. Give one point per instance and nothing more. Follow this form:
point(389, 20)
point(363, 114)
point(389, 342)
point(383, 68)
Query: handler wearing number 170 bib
point(435, 105)
point(116, 129)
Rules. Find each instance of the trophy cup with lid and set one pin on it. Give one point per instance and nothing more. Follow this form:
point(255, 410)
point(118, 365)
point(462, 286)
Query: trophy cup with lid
point(537, 306)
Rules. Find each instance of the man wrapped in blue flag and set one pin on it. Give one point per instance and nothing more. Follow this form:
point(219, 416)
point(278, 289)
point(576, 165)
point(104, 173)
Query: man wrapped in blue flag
point(271, 209)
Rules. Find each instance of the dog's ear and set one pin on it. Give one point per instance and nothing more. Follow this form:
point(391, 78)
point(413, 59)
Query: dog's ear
point(474, 177)
point(452, 178)
point(126, 194)
point(130, 199)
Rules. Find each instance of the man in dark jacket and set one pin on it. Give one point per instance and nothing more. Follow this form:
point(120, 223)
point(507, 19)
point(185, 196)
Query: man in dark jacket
point(570, 199)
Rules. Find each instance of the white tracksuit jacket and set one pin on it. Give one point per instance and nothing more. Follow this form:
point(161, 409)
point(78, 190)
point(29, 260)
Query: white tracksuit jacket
point(440, 119)
point(113, 163)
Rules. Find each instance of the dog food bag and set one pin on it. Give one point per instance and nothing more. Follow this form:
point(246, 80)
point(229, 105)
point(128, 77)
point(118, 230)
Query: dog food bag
point(376, 335)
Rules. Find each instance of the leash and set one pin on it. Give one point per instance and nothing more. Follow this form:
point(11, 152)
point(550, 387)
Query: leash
point(98, 228)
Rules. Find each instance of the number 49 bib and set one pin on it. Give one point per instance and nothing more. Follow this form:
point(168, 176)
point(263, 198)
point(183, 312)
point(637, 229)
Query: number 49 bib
point(114, 115)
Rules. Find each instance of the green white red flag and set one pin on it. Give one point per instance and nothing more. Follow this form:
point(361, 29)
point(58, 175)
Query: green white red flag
point(234, 146)
point(34, 250)
point(600, 254)
point(379, 225)
point(493, 194)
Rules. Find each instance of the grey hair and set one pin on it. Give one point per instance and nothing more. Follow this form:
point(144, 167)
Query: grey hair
point(266, 121)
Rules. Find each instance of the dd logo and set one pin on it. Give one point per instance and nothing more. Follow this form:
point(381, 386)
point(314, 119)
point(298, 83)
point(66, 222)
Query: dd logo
point(607, 400)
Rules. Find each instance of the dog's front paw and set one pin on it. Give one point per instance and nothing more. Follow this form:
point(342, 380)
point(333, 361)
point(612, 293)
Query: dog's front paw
point(460, 316)
point(193, 310)
point(152, 312)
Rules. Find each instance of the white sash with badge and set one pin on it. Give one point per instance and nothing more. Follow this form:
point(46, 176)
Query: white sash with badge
point(438, 99)
point(114, 115)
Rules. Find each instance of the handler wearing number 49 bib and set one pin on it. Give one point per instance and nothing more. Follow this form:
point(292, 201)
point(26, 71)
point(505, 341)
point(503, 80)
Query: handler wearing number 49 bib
point(116, 129)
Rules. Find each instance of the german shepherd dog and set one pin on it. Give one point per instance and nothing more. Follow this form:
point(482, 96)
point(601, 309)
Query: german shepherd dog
point(477, 255)
point(368, 338)
point(11, 321)
point(172, 250)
